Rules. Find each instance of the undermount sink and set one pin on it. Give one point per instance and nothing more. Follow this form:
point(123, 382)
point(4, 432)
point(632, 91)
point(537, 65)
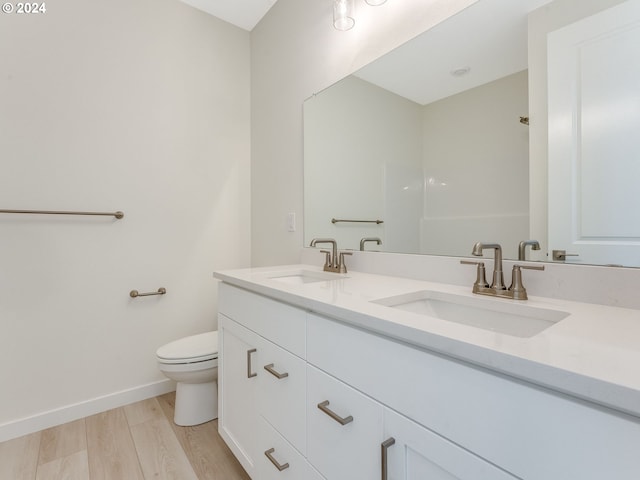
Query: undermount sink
point(301, 277)
point(497, 315)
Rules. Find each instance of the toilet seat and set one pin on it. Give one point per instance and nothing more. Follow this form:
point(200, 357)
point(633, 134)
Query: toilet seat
point(193, 349)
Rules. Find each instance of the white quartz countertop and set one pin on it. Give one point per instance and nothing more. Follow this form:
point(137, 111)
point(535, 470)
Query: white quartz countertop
point(593, 353)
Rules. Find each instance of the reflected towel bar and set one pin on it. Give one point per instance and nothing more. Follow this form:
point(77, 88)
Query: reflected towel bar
point(117, 214)
point(135, 293)
point(336, 220)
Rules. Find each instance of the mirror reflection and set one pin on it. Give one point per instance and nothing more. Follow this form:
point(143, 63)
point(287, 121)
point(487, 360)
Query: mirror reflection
point(443, 142)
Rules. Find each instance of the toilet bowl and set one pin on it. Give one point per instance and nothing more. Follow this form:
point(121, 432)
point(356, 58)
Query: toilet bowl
point(193, 363)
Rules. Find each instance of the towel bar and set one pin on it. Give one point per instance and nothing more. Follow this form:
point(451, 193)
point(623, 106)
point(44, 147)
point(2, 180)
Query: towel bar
point(117, 214)
point(135, 293)
point(336, 220)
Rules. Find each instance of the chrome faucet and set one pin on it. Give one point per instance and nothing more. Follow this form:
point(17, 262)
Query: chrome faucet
point(522, 247)
point(497, 289)
point(369, 239)
point(334, 262)
point(498, 276)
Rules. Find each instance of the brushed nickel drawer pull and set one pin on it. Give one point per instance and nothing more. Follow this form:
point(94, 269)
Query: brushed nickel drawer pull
point(249, 373)
point(269, 368)
point(384, 447)
point(269, 455)
point(342, 421)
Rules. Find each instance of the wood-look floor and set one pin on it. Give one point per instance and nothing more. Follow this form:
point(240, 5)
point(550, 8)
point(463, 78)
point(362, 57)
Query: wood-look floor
point(135, 442)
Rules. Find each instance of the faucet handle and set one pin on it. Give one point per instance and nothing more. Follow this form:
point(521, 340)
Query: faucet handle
point(342, 267)
point(481, 278)
point(517, 288)
point(327, 258)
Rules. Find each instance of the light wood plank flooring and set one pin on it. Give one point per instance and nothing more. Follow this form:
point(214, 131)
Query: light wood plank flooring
point(135, 442)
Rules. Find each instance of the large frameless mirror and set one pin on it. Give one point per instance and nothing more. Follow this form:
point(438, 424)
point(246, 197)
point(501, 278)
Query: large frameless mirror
point(445, 141)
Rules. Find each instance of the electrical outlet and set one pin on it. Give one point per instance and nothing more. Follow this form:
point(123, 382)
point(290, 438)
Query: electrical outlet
point(291, 222)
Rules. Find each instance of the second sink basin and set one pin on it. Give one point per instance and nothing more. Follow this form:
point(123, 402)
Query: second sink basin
point(498, 315)
point(301, 277)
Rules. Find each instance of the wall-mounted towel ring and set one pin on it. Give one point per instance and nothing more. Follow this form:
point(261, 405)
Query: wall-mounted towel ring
point(135, 293)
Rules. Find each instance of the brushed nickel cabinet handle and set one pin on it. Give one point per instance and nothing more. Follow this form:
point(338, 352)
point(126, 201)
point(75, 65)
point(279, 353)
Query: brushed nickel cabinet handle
point(249, 373)
point(342, 421)
point(269, 368)
point(384, 447)
point(269, 455)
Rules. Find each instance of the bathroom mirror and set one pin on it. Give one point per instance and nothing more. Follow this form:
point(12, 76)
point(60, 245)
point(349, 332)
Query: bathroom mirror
point(443, 141)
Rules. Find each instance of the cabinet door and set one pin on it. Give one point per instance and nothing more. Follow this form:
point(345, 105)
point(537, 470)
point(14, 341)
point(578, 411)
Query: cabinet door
point(415, 453)
point(237, 382)
point(343, 437)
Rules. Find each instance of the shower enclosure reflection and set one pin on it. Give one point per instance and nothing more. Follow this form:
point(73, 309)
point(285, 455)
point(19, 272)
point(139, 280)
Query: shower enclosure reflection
point(440, 175)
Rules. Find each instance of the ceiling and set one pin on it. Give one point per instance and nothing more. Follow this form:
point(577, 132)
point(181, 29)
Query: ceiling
point(494, 45)
point(242, 13)
point(489, 38)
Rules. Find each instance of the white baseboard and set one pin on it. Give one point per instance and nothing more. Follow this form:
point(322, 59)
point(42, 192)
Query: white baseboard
point(58, 416)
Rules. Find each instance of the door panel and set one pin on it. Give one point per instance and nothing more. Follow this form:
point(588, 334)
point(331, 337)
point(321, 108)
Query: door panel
point(594, 146)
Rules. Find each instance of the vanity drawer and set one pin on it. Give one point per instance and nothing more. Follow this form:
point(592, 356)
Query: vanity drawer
point(341, 450)
point(528, 431)
point(275, 321)
point(282, 390)
point(277, 458)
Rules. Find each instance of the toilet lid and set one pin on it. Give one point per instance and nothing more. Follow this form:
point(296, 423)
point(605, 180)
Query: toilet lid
point(196, 348)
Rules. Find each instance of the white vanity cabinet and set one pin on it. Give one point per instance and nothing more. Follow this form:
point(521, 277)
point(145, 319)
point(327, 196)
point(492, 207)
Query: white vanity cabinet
point(356, 437)
point(339, 402)
point(530, 432)
point(262, 386)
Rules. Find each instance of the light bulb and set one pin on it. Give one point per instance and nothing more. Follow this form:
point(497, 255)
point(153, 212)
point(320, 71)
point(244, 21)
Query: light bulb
point(343, 15)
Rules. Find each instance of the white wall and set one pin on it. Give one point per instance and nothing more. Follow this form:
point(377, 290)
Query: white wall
point(133, 105)
point(295, 52)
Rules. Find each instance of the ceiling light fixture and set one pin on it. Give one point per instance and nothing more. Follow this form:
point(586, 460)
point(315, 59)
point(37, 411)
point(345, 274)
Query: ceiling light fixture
point(343, 13)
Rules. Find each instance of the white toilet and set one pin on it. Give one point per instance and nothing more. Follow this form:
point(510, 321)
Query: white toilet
point(193, 363)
